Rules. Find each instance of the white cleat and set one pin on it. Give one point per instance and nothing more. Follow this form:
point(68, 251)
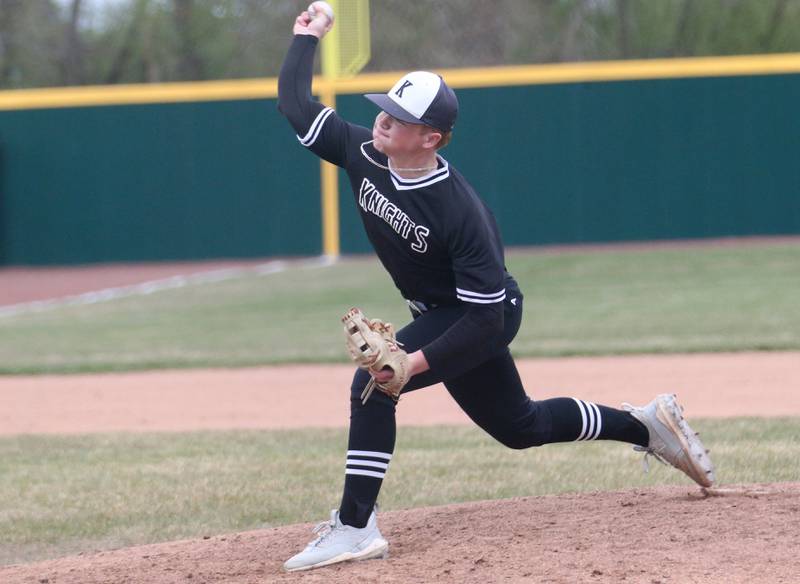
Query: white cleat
point(672, 440)
point(337, 542)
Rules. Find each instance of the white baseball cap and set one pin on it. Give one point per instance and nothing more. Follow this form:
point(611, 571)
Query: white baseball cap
point(420, 97)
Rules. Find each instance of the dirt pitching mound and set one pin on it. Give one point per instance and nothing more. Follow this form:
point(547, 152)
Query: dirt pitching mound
point(668, 534)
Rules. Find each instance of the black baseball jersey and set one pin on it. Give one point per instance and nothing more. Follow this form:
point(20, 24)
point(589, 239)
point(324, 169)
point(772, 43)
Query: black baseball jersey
point(433, 234)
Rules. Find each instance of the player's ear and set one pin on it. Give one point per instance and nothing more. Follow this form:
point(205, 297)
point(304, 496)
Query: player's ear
point(432, 139)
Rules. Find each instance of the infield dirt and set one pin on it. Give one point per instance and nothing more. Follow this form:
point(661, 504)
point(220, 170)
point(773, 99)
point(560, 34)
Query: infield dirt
point(655, 536)
point(295, 396)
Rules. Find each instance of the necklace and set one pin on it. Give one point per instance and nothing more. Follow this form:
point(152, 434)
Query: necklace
point(420, 169)
point(389, 167)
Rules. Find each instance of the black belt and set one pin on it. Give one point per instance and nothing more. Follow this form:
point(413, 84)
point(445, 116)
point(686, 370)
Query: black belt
point(418, 307)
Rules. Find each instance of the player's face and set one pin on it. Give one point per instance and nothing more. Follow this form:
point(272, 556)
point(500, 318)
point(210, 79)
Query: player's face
point(394, 137)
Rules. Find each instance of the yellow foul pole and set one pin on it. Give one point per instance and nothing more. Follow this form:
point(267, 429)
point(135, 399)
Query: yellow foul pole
point(329, 181)
point(345, 51)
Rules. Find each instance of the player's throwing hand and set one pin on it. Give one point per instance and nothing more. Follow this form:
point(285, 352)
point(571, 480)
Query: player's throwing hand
point(319, 25)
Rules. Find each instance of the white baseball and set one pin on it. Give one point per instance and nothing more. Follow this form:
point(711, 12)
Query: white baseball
point(322, 6)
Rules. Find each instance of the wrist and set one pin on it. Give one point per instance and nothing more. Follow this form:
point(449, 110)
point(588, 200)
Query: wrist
point(418, 363)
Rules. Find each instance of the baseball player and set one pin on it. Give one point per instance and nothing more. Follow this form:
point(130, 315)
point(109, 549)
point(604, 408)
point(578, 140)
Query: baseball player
point(441, 246)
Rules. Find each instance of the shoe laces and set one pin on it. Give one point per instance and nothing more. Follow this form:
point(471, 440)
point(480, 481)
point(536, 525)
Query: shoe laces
point(648, 450)
point(323, 529)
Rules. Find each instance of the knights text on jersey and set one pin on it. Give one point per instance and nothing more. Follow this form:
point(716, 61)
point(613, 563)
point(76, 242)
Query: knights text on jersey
point(434, 235)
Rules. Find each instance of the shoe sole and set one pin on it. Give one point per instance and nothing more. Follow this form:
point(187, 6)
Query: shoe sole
point(669, 414)
point(378, 549)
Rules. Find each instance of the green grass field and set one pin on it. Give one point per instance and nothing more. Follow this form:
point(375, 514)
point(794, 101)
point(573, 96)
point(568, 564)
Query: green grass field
point(576, 303)
point(61, 495)
point(68, 494)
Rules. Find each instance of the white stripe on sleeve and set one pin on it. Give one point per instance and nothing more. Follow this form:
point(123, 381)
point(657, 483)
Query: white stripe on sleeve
point(480, 298)
point(479, 294)
point(316, 127)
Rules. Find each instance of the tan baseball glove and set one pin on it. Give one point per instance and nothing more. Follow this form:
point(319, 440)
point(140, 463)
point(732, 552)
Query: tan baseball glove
point(373, 347)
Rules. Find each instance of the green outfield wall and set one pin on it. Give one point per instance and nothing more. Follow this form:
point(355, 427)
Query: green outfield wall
point(625, 161)
point(569, 162)
point(155, 182)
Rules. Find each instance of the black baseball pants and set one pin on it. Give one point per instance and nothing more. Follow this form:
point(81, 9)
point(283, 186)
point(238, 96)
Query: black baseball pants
point(490, 393)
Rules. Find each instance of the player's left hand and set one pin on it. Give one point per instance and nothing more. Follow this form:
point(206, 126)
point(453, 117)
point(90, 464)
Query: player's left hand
point(373, 347)
point(417, 363)
point(383, 375)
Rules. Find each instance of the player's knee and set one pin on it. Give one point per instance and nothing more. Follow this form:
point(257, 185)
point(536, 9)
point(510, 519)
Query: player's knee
point(360, 380)
point(526, 431)
point(515, 442)
point(521, 440)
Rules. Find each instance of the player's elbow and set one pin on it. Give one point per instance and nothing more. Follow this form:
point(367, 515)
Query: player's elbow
point(289, 107)
point(296, 109)
point(297, 120)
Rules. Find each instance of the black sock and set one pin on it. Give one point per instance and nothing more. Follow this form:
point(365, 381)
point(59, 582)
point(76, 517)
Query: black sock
point(574, 419)
point(369, 450)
